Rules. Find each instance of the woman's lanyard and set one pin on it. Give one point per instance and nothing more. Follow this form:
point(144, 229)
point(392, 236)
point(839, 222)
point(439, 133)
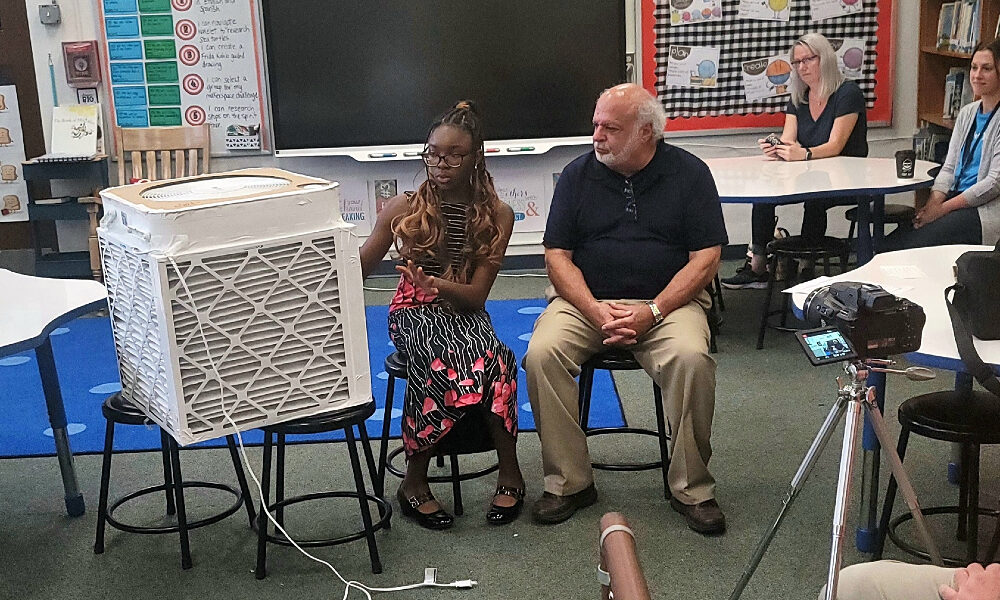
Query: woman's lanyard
point(973, 136)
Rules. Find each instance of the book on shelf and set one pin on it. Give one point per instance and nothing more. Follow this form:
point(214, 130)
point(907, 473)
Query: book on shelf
point(957, 92)
point(74, 133)
point(946, 24)
point(966, 22)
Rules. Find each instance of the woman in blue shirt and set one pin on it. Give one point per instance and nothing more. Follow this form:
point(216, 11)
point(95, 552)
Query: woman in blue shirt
point(962, 208)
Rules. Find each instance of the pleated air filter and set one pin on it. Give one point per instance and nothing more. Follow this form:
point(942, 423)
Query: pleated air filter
point(234, 294)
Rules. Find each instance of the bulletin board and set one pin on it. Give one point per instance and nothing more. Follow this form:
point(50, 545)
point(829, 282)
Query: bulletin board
point(752, 48)
point(186, 62)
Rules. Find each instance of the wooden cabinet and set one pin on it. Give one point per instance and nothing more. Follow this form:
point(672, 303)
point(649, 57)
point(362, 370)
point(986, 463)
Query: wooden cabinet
point(933, 64)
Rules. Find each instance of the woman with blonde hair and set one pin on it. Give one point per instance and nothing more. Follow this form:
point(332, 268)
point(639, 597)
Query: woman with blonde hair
point(451, 235)
point(825, 117)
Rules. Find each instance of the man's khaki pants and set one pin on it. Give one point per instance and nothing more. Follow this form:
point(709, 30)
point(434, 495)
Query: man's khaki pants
point(674, 353)
point(891, 580)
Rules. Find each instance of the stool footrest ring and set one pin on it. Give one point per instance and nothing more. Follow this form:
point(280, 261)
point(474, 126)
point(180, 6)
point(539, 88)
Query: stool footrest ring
point(935, 510)
point(281, 540)
point(623, 467)
point(174, 528)
point(390, 468)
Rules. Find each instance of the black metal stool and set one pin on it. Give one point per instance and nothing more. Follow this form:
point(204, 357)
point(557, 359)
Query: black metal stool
point(797, 248)
point(622, 360)
point(969, 419)
point(466, 437)
point(345, 419)
point(117, 410)
point(897, 214)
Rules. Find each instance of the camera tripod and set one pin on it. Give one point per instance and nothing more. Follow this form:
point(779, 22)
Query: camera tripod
point(852, 396)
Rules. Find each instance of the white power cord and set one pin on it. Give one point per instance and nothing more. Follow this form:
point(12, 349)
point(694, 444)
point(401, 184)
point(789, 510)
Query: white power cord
point(430, 574)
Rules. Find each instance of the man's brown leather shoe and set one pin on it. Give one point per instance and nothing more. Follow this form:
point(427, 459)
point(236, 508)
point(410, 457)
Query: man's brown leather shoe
point(551, 509)
point(704, 517)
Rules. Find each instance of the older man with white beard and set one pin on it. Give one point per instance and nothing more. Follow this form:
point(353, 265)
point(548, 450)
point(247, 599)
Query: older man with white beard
point(633, 238)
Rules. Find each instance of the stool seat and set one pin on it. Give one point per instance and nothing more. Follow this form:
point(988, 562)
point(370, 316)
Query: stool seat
point(323, 422)
point(465, 437)
point(619, 359)
point(893, 213)
point(798, 248)
point(954, 417)
point(119, 410)
point(968, 418)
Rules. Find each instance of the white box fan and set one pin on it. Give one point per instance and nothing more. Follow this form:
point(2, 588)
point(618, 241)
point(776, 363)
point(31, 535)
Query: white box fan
point(252, 270)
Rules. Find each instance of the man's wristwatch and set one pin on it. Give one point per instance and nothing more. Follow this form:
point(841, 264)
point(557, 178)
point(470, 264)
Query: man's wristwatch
point(657, 315)
point(809, 154)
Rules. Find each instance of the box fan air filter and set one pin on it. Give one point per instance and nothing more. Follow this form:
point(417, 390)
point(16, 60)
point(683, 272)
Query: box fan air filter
point(250, 274)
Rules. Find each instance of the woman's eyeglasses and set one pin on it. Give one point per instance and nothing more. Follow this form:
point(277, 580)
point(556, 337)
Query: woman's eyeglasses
point(452, 160)
point(805, 61)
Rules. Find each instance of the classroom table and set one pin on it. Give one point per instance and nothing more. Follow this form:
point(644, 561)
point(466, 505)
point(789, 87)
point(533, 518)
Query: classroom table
point(30, 309)
point(758, 180)
point(921, 276)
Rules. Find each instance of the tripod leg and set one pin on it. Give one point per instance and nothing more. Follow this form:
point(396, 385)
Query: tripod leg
point(852, 430)
point(905, 487)
point(818, 444)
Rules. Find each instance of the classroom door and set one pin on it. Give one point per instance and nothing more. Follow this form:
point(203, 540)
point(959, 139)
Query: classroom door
point(17, 67)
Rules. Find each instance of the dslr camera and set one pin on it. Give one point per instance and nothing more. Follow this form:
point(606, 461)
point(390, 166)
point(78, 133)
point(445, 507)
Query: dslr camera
point(859, 320)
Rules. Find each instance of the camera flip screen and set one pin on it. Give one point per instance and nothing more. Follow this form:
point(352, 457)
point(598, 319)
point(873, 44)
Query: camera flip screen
point(825, 345)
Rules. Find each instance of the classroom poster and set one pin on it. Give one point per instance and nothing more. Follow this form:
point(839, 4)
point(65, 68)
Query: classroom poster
point(821, 10)
point(186, 62)
point(525, 198)
point(693, 67)
point(688, 12)
point(765, 10)
point(355, 207)
point(850, 56)
point(13, 191)
point(766, 77)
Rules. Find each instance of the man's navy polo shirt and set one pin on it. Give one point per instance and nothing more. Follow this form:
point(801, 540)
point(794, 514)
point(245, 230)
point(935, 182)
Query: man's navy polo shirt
point(626, 256)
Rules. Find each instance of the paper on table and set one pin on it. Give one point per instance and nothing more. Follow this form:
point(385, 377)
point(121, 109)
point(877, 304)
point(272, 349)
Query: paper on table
point(807, 286)
point(903, 271)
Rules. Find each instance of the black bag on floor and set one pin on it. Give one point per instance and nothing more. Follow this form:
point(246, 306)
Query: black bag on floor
point(974, 309)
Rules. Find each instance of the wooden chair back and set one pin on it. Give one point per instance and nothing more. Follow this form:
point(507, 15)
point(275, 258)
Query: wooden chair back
point(176, 149)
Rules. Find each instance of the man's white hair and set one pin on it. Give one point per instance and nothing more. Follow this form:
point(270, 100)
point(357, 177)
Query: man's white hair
point(648, 108)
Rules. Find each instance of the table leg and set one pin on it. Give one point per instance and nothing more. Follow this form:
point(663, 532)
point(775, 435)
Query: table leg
point(867, 533)
point(57, 418)
point(963, 385)
point(871, 226)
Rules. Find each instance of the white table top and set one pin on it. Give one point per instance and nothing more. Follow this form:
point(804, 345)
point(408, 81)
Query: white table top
point(757, 179)
point(920, 275)
point(31, 307)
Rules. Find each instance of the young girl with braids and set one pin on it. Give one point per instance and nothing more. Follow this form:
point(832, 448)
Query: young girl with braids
point(451, 236)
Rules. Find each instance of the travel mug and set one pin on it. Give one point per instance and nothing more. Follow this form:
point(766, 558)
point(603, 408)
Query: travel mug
point(905, 161)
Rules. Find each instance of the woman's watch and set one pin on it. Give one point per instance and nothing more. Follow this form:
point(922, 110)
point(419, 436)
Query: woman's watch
point(657, 315)
point(809, 154)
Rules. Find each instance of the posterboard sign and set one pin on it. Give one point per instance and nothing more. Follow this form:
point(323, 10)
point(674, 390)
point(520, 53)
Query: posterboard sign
point(13, 191)
point(766, 77)
point(186, 62)
point(850, 56)
point(525, 198)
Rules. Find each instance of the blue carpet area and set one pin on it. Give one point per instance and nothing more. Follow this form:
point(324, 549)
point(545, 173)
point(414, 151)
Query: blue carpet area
point(85, 358)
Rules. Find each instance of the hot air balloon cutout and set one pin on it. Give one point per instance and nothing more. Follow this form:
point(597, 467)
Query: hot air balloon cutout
point(778, 73)
point(766, 10)
point(850, 56)
point(687, 12)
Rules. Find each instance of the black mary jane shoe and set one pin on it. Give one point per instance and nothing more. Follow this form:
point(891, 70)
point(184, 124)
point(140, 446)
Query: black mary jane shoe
point(502, 515)
point(437, 520)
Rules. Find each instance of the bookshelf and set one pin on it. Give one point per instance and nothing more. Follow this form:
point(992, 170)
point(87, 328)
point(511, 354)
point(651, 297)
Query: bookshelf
point(933, 63)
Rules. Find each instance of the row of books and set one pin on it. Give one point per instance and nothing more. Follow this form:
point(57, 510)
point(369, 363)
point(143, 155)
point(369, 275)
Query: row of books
point(957, 91)
point(958, 25)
